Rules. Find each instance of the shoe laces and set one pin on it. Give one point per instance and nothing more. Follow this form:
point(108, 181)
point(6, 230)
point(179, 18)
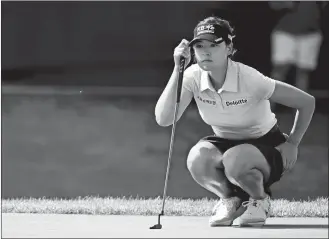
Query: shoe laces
point(253, 205)
point(251, 202)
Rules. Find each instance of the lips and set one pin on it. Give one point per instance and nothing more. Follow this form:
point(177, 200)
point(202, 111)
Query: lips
point(207, 60)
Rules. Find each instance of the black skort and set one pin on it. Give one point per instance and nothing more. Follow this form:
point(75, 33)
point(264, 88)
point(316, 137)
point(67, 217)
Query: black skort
point(266, 144)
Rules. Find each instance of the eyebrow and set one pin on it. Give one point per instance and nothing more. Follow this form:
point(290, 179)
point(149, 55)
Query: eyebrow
point(207, 42)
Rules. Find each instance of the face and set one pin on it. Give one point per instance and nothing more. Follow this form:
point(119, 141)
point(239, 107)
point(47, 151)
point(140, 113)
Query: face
point(210, 55)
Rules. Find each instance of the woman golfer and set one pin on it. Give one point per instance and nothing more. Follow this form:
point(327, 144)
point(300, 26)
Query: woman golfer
point(247, 152)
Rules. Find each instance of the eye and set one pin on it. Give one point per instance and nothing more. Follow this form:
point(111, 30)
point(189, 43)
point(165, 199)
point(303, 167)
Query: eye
point(198, 45)
point(213, 45)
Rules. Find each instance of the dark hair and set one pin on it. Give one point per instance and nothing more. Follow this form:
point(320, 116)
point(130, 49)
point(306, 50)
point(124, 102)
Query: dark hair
point(225, 25)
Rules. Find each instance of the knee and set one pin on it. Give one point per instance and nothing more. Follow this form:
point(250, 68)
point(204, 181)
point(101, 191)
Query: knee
point(236, 162)
point(234, 173)
point(237, 175)
point(201, 157)
point(242, 161)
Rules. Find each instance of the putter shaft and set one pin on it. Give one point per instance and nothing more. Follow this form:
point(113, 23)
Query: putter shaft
point(179, 88)
point(169, 157)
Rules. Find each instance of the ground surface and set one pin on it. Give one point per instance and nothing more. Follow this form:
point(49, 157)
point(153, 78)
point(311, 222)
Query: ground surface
point(57, 226)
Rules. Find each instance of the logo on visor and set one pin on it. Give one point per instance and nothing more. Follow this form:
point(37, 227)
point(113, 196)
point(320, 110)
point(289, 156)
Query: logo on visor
point(205, 29)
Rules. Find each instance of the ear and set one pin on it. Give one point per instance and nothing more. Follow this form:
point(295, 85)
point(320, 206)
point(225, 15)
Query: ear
point(230, 48)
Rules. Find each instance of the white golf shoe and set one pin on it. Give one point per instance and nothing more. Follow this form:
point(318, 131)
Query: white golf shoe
point(225, 211)
point(256, 213)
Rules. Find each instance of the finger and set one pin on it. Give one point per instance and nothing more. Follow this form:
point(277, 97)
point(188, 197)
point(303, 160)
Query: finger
point(284, 161)
point(292, 164)
point(284, 171)
point(185, 42)
point(285, 135)
point(186, 54)
point(288, 169)
point(182, 48)
point(187, 57)
point(289, 164)
point(179, 52)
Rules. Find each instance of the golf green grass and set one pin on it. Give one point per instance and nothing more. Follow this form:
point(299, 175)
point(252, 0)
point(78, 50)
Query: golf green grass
point(152, 206)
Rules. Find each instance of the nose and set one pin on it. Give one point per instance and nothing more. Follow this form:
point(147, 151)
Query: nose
point(206, 52)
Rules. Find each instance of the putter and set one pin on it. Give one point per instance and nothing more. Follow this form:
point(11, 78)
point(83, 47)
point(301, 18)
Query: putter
point(179, 89)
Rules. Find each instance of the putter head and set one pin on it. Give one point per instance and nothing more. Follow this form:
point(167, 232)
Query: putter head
point(156, 226)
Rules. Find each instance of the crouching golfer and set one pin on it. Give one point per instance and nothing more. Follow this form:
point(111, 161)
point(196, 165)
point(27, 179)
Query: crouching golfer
point(248, 152)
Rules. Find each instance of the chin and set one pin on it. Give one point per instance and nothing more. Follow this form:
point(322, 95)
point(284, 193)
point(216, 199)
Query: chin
point(206, 67)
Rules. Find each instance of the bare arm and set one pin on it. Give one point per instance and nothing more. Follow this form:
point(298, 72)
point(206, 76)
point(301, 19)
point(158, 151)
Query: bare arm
point(291, 96)
point(165, 107)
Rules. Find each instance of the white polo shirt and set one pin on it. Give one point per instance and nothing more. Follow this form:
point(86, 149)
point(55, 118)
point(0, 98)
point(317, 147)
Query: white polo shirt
point(240, 109)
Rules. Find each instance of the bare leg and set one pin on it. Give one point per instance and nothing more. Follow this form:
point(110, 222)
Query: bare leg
point(246, 167)
point(205, 166)
point(253, 183)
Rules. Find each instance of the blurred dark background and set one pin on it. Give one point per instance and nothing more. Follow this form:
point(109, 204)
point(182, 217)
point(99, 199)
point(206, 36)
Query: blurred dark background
point(80, 81)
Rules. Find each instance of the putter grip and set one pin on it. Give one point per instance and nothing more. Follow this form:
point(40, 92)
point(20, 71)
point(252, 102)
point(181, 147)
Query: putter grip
point(180, 78)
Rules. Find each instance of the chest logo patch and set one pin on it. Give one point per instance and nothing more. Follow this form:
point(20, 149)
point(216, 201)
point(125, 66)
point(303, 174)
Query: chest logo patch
point(236, 102)
point(212, 102)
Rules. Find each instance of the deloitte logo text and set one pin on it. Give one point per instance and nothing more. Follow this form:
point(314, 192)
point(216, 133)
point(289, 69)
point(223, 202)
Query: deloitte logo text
point(236, 102)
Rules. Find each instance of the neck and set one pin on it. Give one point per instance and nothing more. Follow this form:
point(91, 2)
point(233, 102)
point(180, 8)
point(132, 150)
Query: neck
point(218, 75)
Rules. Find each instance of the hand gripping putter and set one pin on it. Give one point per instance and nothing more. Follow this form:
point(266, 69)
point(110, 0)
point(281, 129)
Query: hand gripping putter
point(179, 89)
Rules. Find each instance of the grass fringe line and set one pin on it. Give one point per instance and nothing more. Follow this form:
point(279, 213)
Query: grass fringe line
point(95, 205)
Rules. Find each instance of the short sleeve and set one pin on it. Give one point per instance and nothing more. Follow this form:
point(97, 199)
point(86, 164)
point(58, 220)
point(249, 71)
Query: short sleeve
point(260, 85)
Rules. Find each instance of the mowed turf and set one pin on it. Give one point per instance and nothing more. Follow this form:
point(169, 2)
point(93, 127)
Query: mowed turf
point(70, 146)
point(152, 206)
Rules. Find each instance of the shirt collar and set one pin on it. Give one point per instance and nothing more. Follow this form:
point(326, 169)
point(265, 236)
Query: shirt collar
point(231, 79)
